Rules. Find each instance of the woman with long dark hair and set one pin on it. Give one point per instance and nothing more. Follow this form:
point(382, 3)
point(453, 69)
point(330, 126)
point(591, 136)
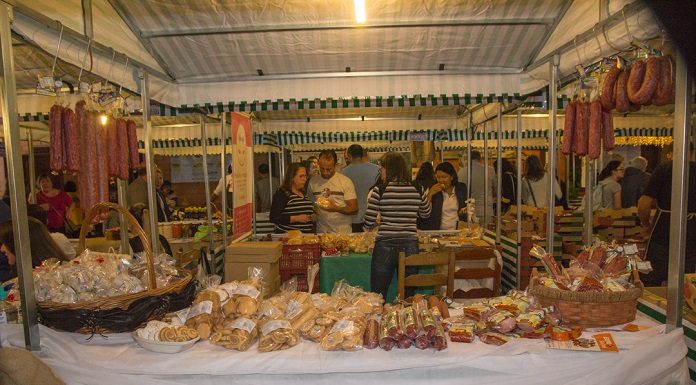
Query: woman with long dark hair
point(608, 181)
point(40, 241)
point(291, 209)
point(535, 185)
point(448, 199)
point(426, 175)
point(398, 203)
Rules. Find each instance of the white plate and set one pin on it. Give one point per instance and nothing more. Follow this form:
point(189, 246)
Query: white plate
point(164, 347)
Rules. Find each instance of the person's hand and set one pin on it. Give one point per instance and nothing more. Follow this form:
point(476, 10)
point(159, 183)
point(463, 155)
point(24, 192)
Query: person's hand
point(331, 206)
point(434, 189)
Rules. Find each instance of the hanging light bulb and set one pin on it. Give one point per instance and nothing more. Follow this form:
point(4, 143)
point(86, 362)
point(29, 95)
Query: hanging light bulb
point(360, 16)
point(103, 118)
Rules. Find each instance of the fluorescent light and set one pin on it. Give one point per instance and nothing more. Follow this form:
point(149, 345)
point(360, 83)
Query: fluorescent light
point(360, 16)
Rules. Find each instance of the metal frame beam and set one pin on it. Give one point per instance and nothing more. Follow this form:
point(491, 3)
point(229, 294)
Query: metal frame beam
point(549, 31)
point(553, 104)
point(79, 38)
point(338, 26)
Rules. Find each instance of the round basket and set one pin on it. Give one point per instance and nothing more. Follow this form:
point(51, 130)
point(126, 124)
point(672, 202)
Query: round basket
point(590, 309)
point(124, 312)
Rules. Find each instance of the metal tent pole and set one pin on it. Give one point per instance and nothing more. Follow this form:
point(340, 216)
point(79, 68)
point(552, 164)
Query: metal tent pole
point(270, 174)
point(149, 163)
point(122, 187)
point(589, 173)
point(469, 137)
point(499, 181)
point(552, 153)
point(18, 203)
point(206, 182)
point(32, 166)
point(680, 194)
point(223, 167)
point(485, 178)
point(518, 196)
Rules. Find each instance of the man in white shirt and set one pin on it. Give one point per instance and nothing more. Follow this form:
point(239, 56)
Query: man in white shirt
point(477, 184)
point(335, 196)
point(225, 180)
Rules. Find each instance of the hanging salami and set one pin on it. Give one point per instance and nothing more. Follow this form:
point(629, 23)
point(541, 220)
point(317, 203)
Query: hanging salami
point(134, 159)
point(122, 145)
point(664, 93)
point(608, 130)
point(595, 130)
point(72, 141)
point(56, 150)
point(582, 121)
point(568, 129)
point(607, 95)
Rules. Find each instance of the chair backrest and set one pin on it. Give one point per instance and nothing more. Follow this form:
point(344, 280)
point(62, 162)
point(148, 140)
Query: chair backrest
point(483, 258)
point(436, 279)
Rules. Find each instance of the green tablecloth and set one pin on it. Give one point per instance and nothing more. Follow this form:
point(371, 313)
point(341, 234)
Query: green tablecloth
point(355, 269)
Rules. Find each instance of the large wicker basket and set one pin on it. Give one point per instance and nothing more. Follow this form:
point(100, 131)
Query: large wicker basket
point(124, 312)
point(589, 309)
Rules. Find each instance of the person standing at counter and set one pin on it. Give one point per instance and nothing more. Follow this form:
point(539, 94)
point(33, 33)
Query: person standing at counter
point(398, 203)
point(291, 209)
point(447, 197)
point(224, 181)
point(609, 183)
point(634, 181)
point(54, 201)
point(137, 193)
point(263, 189)
point(658, 194)
point(478, 192)
point(363, 175)
point(334, 195)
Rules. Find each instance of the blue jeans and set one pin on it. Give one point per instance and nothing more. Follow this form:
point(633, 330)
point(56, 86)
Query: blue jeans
point(385, 261)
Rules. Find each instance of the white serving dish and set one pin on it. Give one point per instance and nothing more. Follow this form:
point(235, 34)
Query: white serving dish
point(162, 346)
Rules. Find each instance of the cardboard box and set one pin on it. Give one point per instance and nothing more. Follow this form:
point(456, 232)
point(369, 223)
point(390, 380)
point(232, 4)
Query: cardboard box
point(254, 252)
point(238, 271)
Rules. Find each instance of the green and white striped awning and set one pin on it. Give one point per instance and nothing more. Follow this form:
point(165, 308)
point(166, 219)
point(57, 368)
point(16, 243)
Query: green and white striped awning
point(293, 138)
point(259, 139)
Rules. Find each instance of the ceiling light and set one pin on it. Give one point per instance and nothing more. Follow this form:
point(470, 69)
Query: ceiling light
point(360, 16)
point(103, 119)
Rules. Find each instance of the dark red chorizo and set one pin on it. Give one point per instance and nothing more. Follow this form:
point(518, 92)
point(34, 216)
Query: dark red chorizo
point(608, 130)
point(122, 143)
point(664, 93)
point(102, 141)
point(72, 140)
point(620, 95)
point(642, 81)
point(55, 149)
point(134, 159)
point(607, 94)
point(582, 121)
point(89, 171)
point(112, 149)
point(568, 128)
point(595, 130)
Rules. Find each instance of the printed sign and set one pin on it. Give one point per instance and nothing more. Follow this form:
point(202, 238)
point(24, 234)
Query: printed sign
point(242, 175)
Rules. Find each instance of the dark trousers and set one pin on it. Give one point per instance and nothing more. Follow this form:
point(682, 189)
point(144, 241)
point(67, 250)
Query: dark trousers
point(385, 261)
point(357, 227)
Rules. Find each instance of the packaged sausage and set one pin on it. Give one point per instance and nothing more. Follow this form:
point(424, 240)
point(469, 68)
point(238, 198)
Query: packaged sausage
point(385, 342)
point(410, 322)
point(495, 338)
point(476, 311)
point(392, 322)
point(462, 332)
point(500, 320)
point(428, 323)
point(422, 341)
point(531, 320)
point(371, 338)
point(404, 342)
point(439, 340)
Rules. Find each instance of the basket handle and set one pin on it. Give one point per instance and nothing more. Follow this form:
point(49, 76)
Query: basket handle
point(135, 226)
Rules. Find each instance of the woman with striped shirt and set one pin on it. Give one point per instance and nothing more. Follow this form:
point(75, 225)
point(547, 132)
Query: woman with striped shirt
point(398, 203)
point(291, 209)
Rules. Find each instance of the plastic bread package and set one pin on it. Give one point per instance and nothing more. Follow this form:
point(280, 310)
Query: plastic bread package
point(346, 334)
point(235, 334)
point(276, 334)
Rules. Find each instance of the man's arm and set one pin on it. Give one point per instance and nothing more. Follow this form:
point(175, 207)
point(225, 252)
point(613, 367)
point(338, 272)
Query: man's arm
point(350, 208)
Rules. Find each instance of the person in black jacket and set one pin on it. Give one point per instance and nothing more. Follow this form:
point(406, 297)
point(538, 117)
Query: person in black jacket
point(508, 185)
point(448, 198)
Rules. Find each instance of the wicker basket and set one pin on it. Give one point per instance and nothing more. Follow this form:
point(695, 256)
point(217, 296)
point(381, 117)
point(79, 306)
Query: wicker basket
point(124, 312)
point(590, 309)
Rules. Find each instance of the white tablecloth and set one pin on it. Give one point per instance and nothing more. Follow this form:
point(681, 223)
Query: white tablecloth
point(647, 357)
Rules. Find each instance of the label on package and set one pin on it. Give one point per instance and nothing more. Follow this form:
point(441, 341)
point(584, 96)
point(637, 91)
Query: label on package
point(243, 324)
point(275, 325)
point(200, 308)
point(342, 326)
point(631, 249)
point(294, 309)
point(248, 290)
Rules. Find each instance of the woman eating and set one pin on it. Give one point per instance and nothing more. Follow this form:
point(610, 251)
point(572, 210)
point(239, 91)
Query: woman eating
point(291, 209)
point(448, 199)
point(398, 203)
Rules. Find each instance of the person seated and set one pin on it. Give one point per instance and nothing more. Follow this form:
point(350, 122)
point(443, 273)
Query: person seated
point(448, 199)
point(37, 212)
point(40, 242)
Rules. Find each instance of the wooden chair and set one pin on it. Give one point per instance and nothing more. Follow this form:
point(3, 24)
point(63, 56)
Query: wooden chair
point(437, 279)
point(482, 258)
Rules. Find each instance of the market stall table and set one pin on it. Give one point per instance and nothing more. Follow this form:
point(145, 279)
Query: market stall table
point(646, 357)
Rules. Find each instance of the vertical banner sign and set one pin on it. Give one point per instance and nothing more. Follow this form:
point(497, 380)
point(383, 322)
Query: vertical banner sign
point(242, 175)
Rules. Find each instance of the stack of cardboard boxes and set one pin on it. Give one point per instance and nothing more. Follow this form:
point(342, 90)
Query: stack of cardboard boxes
point(241, 256)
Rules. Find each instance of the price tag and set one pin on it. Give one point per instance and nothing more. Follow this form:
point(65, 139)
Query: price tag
point(644, 266)
point(631, 249)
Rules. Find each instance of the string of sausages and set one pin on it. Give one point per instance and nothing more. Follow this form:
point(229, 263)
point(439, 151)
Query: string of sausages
point(80, 144)
point(589, 125)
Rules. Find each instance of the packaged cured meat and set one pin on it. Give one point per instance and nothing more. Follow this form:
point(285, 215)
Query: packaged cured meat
point(476, 311)
point(500, 320)
point(56, 150)
point(439, 340)
point(72, 140)
point(371, 338)
point(531, 320)
point(410, 322)
point(403, 342)
point(551, 266)
point(385, 342)
point(391, 320)
point(462, 332)
point(495, 338)
point(428, 323)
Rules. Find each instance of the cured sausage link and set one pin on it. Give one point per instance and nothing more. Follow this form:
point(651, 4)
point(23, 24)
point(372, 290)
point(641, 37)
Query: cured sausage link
point(56, 138)
point(641, 87)
point(568, 128)
point(595, 132)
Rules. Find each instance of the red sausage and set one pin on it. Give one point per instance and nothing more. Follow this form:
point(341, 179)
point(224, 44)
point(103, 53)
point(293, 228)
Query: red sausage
point(134, 159)
point(582, 121)
point(595, 132)
point(122, 143)
point(608, 130)
point(56, 137)
point(620, 95)
point(72, 140)
point(607, 95)
point(641, 92)
point(568, 129)
point(664, 94)
point(102, 182)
